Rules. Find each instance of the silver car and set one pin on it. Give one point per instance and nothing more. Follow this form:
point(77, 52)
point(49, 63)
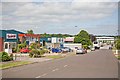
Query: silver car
point(80, 51)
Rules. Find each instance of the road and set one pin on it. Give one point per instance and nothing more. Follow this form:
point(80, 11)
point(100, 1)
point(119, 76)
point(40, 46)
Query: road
point(96, 64)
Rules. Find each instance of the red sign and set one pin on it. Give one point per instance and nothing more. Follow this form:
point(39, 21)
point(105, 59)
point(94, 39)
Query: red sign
point(11, 36)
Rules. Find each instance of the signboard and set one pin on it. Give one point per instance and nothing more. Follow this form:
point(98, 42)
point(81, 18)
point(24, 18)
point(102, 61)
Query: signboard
point(11, 36)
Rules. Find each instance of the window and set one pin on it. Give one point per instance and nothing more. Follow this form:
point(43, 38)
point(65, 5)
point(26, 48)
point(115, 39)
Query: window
point(13, 45)
point(95, 42)
point(6, 45)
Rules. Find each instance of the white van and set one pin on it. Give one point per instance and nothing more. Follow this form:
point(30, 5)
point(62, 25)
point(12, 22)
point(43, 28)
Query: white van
point(96, 45)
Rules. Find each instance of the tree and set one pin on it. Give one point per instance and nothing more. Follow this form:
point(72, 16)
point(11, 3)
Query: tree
point(83, 38)
point(117, 44)
point(30, 31)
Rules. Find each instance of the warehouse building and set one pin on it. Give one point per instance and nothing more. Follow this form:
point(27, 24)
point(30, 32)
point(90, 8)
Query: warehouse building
point(8, 40)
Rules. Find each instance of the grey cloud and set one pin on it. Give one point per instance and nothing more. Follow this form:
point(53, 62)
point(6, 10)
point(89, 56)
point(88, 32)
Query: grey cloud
point(20, 15)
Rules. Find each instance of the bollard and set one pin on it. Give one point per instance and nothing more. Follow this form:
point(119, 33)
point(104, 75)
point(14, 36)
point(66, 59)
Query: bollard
point(14, 57)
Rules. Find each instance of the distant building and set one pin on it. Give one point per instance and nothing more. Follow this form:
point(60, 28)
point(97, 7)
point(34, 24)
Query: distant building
point(69, 40)
point(105, 39)
point(56, 40)
point(29, 38)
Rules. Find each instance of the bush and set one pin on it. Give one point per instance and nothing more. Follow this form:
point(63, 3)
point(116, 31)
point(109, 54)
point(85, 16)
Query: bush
point(34, 46)
point(117, 45)
point(85, 46)
point(11, 56)
point(4, 57)
point(42, 52)
point(36, 53)
point(14, 50)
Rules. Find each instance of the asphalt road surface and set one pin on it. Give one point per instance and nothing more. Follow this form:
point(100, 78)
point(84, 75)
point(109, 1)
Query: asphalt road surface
point(96, 64)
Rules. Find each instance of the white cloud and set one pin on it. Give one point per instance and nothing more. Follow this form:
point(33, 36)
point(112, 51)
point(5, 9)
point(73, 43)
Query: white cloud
point(95, 0)
point(52, 13)
point(17, 0)
point(60, 12)
point(59, 0)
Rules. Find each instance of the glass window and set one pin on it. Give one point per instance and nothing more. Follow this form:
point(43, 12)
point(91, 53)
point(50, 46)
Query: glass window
point(95, 42)
point(6, 45)
point(13, 45)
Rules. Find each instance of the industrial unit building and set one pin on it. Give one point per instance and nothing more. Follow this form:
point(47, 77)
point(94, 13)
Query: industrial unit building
point(8, 40)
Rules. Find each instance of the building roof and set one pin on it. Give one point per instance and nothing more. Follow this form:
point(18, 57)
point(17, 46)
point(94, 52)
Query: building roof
point(4, 32)
point(29, 35)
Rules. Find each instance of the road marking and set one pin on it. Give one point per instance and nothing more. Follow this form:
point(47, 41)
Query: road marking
point(65, 65)
point(55, 69)
point(38, 77)
point(41, 75)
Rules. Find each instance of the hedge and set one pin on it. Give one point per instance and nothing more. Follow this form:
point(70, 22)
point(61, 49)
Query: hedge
point(5, 57)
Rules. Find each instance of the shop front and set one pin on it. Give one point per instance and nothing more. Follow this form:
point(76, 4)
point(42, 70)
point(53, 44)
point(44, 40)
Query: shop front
point(9, 40)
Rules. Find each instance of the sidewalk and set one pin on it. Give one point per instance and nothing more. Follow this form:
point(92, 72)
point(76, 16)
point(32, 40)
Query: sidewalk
point(32, 59)
point(25, 57)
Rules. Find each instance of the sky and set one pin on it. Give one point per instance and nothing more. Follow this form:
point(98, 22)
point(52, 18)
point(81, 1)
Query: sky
point(98, 17)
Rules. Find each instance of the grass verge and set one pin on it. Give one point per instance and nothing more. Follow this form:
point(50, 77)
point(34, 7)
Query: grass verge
point(14, 64)
point(55, 56)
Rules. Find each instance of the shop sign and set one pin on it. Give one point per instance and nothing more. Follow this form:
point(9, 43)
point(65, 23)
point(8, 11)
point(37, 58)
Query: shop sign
point(11, 36)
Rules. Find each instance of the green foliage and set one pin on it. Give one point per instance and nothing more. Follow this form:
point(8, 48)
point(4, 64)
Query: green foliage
point(36, 53)
point(34, 46)
point(85, 46)
point(20, 46)
point(83, 34)
point(5, 57)
point(14, 50)
point(23, 45)
point(42, 52)
point(14, 64)
point(56, 35)
point(117, 44)
point(30, 31)
point(83, 38)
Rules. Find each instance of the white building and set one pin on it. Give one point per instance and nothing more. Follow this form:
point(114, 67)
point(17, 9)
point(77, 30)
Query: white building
point(56, 40)
point(105, 39)
point(72, 45)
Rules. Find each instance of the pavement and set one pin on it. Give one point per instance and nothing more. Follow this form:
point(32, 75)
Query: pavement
point(25, 57)
point(95, 64)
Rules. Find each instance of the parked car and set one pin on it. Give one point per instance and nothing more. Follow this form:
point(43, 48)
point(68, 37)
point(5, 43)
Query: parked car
point(65, 49)
point(56, 50)
point(24, 50)
point(81, 51)
point(92, 49)
point(110, 47)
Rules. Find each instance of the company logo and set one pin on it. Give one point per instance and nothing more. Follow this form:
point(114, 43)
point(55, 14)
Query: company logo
point(11, 36)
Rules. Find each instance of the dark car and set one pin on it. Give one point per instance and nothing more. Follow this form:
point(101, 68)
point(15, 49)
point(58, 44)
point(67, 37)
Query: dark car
point(110, 47)
point(56, 50)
